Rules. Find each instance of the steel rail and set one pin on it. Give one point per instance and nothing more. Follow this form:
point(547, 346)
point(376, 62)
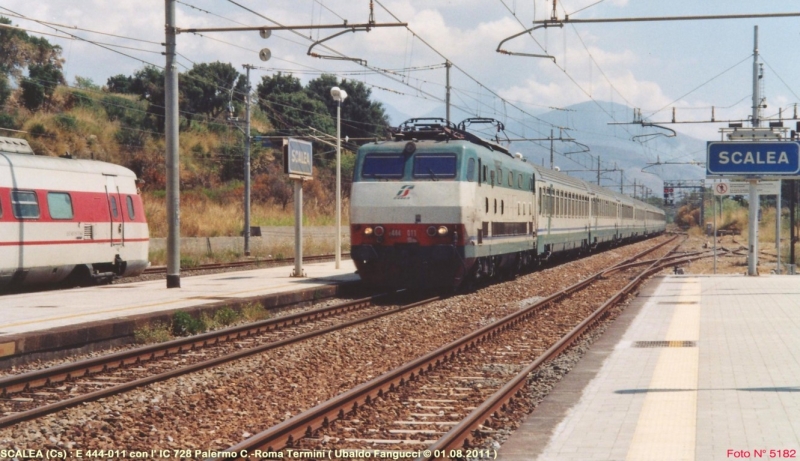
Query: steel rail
point(124, 387)
point(54, 375)
point(461, 432)
point(305, 423)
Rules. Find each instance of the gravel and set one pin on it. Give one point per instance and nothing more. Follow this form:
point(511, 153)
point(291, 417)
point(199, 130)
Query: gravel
point(216, 408)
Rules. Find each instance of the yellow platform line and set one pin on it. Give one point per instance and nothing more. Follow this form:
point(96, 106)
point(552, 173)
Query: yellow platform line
point(667, 425)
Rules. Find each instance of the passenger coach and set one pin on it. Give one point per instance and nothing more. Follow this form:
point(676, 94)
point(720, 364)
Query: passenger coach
point(64, 219)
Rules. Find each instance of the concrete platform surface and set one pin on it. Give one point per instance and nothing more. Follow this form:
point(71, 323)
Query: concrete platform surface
point(703, 368)
point(23, 315)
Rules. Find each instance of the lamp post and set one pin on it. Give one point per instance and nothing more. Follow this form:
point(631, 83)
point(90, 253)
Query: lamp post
point(338, 95)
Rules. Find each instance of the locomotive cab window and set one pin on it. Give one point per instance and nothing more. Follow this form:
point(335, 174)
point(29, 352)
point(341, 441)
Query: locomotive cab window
point(383, 166)
point(435, 166)
point(60, 205)
point(25, 204)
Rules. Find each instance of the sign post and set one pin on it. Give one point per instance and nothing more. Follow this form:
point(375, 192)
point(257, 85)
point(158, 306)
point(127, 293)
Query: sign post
point(753, 161)
point(297, 163)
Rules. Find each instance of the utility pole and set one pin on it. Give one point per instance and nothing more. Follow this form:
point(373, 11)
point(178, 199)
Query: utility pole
point(756, 86)
point(792, 205)
point(598, 170)
point(172, 159)
point(752, 255)
point(247, 163)
point(447, 66)
point(551, 148)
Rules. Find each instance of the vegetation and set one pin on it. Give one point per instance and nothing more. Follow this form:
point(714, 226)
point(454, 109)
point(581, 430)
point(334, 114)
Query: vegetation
point(123, 122)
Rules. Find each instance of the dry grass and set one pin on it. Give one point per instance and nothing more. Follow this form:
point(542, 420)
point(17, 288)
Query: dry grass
point(737, 216)
point(202, 216)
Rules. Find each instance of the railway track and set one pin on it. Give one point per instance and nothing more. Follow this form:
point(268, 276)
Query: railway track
point(236, 264)
point(268, 388)
point(37, 393)
point(438, 400)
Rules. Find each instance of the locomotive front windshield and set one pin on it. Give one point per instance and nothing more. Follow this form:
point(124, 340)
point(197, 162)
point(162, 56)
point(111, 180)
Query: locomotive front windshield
point(435, 166)
point(383, 166)
point(402, 167)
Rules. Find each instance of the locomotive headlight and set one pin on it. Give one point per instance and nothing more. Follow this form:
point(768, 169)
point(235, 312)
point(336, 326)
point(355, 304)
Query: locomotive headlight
point(442, 231)
point(379, 231)
point(431, 231)
point(367, 231)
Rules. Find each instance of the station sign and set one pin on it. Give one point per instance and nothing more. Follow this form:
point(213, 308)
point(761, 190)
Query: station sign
point(297, 160)
point(743, 188)
point(762, 159)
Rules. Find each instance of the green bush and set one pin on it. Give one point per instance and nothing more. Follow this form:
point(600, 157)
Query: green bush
point(8, 121)
point(38, 130)
point(81, 99)
point(226, 316)
point(184, 324)
point(67, 122)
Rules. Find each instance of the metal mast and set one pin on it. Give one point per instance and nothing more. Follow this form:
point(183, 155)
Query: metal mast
point(752, 254)
point(172, 158)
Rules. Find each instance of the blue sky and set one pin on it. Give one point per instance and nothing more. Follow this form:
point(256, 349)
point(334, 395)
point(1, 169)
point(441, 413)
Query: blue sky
point(652, 66)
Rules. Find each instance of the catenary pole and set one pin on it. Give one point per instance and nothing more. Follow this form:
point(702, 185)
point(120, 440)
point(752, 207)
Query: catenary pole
point(172, 156)
point(247, 164)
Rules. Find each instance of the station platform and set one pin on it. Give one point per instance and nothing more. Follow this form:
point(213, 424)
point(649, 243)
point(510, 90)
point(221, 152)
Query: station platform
point(697, 368)
point(61, 319)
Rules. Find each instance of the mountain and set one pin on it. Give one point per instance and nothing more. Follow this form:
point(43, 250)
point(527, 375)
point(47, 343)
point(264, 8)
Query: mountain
point(618, 147)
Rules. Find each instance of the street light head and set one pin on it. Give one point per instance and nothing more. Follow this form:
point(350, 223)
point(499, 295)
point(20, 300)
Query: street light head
point(338, 94)
point(265, 54)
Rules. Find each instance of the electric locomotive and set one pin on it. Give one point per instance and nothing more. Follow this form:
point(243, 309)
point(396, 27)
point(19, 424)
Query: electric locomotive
point(438, 207)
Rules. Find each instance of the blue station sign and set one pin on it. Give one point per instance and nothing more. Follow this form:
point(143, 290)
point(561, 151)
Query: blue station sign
point(297, 159)
point(753, 158)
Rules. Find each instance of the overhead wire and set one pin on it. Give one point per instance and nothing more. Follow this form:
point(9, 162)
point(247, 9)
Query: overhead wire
point(703, 84)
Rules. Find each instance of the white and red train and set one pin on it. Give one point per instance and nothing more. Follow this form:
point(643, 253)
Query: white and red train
point(438, 207)
point(67, 220)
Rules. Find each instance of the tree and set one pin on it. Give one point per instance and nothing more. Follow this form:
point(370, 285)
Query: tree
point(18, 51)
point(5, 89)
point(289, 107)
point(148, 83)
point(119, 84)
point(41, 83)
point(361, 117)
point(208, 88)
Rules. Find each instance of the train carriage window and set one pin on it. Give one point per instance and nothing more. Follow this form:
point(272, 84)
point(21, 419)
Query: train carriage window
point(25, 204)
point(112, 201)
point(495, 206)
point(502, 206)
point(510, 179)
point(485, 168)
point(383, 166)
point(131, 210)
point(471, 170)
point(487, 205)
point(519, 180)
point(60, 205)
